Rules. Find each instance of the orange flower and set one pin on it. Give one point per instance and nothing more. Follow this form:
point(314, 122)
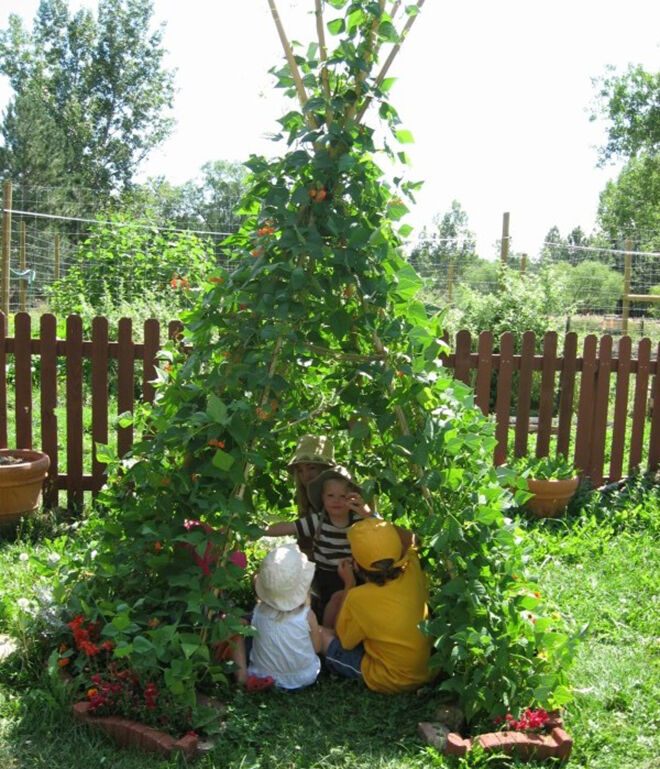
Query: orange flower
point(64, 662)
point(400, 373)
point(321, 195)
point(165, 482)
point(312, 193)
point(220, 444)
point(158, 546)
point(91, 692)
point(153, 622)
point(216, 279)
point(257, 252)
point(212, 442)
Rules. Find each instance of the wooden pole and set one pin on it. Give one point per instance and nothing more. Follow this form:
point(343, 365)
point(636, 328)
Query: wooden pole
point(23, 283)
point(627, 270)
point(450, 282)
point(523, 264)
point(6, 246)
point(504, 245)
point(57, 256)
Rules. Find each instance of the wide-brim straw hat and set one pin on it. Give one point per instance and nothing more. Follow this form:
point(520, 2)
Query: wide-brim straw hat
point(284, 578)
point(315, 486)
point(315, 449)
point(373, 540)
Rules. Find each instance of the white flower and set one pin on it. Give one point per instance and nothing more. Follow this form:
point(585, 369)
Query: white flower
point(23, 557)
point(53, 557)
point(23, 604)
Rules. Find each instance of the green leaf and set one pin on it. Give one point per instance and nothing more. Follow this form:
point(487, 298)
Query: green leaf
point(337, 26)
point(142, 645)
point(404, 136)
point(222, 460)
point(121, 621)
point(216, 409)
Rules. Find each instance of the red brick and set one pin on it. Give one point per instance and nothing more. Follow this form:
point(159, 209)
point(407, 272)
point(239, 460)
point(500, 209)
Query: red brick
point(456, 745)
point(132, 734)
point(527, 747)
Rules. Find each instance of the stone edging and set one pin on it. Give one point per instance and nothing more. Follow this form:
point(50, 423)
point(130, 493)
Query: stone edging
point(132, 734)
point(555, 743)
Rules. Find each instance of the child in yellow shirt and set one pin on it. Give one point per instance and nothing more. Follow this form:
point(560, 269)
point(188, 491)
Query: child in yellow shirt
point(378, 639)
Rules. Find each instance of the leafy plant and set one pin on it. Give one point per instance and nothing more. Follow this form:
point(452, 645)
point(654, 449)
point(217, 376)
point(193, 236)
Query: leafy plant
point(125, 261)
point(314, 325)
point(545, 468)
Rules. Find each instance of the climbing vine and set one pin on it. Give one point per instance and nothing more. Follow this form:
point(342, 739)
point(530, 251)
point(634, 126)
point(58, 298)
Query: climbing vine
point(313, 326)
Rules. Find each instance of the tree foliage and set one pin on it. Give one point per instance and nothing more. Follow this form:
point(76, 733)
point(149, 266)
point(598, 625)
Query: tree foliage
point(314, 326)
point(631, 104)
point(91, 95)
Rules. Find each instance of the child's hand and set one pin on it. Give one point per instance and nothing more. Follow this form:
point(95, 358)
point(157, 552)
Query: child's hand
point(346, 573)
point(355, 503)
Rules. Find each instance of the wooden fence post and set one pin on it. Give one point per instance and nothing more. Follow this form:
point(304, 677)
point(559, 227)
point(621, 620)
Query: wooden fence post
point(504, 245)
point(450, 283)
point(23, 282)
point(57, 256)
point(6, 246)
point(627, 269)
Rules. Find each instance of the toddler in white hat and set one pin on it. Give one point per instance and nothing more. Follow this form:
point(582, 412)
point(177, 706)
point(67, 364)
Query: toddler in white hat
point(284, 649)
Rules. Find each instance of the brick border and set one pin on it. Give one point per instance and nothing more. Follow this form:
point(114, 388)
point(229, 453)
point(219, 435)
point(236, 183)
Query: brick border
point(131, 734)
point(554, 743)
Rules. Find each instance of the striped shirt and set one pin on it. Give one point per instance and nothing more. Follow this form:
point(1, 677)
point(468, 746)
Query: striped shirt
point(332, 544)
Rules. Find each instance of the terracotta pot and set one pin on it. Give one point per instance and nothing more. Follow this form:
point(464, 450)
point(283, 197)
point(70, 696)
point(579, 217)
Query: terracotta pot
point(550, 496)
point(21, 484)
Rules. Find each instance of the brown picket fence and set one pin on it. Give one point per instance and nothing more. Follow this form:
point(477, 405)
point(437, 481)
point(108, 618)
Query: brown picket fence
point(580, 401)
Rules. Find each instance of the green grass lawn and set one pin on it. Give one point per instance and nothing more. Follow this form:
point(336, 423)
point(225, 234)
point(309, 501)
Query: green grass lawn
point(599, 564)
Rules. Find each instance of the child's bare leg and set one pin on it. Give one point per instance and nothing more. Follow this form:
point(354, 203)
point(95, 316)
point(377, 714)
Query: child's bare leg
point(332, 608)
point(327, 637)
point(239, 658)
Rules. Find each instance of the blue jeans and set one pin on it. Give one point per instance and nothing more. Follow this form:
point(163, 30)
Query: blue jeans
point(345, 662)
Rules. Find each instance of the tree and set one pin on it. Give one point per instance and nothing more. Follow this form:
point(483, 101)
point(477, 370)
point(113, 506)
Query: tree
point(91, 95)
point(450, 241)
point(629, 207)
point(631, 105)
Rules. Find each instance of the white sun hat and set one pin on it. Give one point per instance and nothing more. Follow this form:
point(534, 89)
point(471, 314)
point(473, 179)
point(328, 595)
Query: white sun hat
point(284, 578)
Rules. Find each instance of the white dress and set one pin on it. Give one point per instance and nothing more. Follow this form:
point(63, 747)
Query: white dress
point(282, 647)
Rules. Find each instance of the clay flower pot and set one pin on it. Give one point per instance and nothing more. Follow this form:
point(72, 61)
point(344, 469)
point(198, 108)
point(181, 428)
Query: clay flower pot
point(550, 496)
point(21, 483)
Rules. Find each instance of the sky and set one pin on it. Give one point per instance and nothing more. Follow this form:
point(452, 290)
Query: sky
point(496, 94)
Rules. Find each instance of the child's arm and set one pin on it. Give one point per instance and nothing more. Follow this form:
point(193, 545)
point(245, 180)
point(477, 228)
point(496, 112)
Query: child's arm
point(281, 529)
point(314, 631)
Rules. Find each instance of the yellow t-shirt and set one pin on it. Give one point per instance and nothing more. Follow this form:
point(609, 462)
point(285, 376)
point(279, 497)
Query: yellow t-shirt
point(385, 619)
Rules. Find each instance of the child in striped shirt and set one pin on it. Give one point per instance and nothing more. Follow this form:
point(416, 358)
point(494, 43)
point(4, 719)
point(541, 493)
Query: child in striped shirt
point(339, 501)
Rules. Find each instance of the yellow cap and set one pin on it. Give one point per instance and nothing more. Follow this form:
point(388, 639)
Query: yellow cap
point(372, 540)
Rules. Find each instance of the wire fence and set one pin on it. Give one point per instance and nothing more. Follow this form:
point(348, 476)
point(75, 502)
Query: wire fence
point(49, 236)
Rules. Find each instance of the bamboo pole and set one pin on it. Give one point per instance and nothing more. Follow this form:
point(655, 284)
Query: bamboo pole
point(504, 245)
point(6, 246)
point(295, 72)
point(23, 282)
point(323, 54)
point(57, 256)
point(388, 62)
point(627, 270)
